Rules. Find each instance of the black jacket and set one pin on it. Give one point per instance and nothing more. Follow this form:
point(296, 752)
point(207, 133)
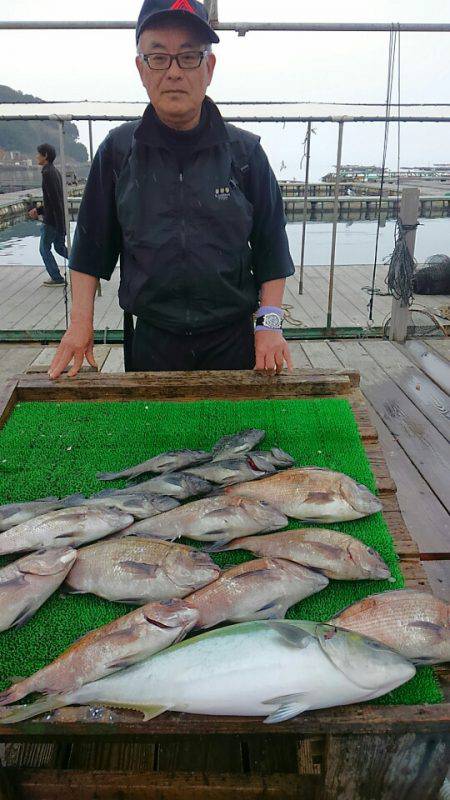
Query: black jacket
point(52, 197)
point(194, 247)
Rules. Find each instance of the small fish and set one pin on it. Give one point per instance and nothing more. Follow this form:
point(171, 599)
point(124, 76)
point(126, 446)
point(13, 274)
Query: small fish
point(137, 570)
point(416, 624)
point(166, 462)
point(174, 484)
point(312, 494)
point(213, 519)
point(275, 669)
point(277, 457)
point(27, 583)
point(237, 444)
point(234, 470)
point(141, 506)
point(335, 554)
point(125, 641)
point(261, 589)
point(66, 526)
point(15, 513)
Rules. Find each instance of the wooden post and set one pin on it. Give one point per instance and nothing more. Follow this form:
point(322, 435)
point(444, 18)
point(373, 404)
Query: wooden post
point(400, 314)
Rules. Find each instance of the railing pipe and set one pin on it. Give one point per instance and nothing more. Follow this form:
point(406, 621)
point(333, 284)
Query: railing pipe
point(335, 219)
point(240, 28)
point(305, 208)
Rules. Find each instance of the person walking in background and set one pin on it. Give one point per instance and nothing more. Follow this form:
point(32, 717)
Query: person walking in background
point(52, 211)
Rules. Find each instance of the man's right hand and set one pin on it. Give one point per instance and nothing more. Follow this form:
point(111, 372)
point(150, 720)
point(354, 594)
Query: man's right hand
point(77, 342)
point(33, 213)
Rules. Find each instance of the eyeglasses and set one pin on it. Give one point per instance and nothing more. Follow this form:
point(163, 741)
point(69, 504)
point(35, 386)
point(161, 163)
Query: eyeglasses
point(190, 59)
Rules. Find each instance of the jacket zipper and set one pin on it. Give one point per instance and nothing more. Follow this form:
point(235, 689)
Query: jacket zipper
point(183, 245)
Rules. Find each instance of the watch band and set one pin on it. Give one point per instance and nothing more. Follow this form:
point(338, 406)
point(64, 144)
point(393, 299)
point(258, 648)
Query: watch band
point(269, 322)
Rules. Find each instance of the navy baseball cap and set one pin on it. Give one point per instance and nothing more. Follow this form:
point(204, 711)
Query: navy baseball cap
point(181, 10)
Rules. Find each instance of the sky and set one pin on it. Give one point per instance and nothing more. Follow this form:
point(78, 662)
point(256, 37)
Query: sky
point(345, 67)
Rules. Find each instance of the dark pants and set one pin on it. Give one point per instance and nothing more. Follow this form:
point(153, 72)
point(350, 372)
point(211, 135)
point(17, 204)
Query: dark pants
point(158, 350)
point(50, 236)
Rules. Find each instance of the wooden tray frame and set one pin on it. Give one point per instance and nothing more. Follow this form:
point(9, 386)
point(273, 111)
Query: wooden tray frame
point(360, 751)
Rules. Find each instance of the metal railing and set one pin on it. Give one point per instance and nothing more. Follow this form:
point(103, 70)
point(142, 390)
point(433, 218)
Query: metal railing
point(242, 28)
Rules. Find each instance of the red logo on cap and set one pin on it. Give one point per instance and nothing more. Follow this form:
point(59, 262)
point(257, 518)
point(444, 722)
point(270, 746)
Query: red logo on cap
point(182, 5)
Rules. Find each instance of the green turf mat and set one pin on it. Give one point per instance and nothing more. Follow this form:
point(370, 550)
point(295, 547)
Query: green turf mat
point(56, 448)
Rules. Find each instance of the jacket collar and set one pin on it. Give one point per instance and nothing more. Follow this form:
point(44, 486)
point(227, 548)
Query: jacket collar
point(152, 134)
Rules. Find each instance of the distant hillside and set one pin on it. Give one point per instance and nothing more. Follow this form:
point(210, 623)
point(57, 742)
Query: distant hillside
point(25, 135)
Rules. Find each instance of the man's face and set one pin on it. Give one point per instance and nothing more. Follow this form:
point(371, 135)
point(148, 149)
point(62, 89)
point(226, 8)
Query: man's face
point(176, 94)
point(41, 160)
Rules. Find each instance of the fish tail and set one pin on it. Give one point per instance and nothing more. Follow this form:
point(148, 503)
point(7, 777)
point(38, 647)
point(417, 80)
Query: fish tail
point(106, 476)
point(18, 713)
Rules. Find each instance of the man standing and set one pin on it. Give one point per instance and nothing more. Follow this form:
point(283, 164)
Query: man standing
point(54, 225)
point(192, 208)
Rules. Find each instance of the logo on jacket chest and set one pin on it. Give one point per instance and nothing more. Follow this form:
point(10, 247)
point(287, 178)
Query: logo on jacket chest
point(222, 193)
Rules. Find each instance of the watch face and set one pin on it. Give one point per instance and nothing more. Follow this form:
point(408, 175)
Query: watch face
point(272, 320)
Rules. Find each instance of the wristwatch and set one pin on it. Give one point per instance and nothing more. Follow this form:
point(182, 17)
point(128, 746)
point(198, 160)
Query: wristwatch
point(271, 321)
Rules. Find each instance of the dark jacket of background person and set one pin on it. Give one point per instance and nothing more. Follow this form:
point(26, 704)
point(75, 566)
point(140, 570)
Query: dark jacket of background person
point(52, 198)
point(195, 246)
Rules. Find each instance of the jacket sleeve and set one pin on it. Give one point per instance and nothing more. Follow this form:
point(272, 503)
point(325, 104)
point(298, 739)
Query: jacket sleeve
point(269, 242)
point(97, 240)
point(53, 198)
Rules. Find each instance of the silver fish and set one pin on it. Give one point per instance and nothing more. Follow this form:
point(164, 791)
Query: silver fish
point(67, 526)
point(174, 484)
point(313, 494)
point(15, 513)
point(123, 642)
point(416, 624)
point(337, 555)
point(213, 519)
point(141, 506)
point(166, 462)
point(27, 583)
point(228, 471)
point(275, 669)
point(136, 570)
point(237, 444)
point(261, 589)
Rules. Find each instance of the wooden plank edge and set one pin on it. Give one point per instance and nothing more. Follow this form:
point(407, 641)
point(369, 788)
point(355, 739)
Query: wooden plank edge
point(8, 398)
point(68, 723)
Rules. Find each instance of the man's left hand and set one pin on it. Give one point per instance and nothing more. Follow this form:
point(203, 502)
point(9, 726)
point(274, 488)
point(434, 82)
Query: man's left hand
point(272, 351)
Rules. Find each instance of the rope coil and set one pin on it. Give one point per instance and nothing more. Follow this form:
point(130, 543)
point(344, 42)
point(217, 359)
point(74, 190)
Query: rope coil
point(399, 279)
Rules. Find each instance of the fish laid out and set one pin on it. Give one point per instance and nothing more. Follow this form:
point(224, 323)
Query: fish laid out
point(335, 554)
point(313, 494)
point(416, 624)
point(261, 589)
point(123, 642)
point(27, 583)
point(137, 570)
point(234, 470)
point(174, 484)
point(66, 526)
point(275, 669)
point(277, 457)
point(15, 513)
point(237, 444)
point(141, 505)
point(166, 462)
point(214, 519)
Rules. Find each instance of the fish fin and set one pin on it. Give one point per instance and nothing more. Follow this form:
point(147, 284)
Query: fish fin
point(291, 633)
point(19, 713)
point(274, 610)
point(123, 663)
point(13, 583)
point(290, 705)
point(327, 549)
point(107, 476)
point(139, 568)
point(217, 547)
point(436, 633)
point(73, 500)
point(23, 617)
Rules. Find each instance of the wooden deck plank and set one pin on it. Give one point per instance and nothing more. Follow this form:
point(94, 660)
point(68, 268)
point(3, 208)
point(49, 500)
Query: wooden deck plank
point(426, 518)
point(114, 362)
point(425, 446)
point(45, 357)
point(321, 355)
point(438, 574)
point(299, 358)
point(425, 395)
point(441, 346)
point(16, 359)
point(436, 367)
